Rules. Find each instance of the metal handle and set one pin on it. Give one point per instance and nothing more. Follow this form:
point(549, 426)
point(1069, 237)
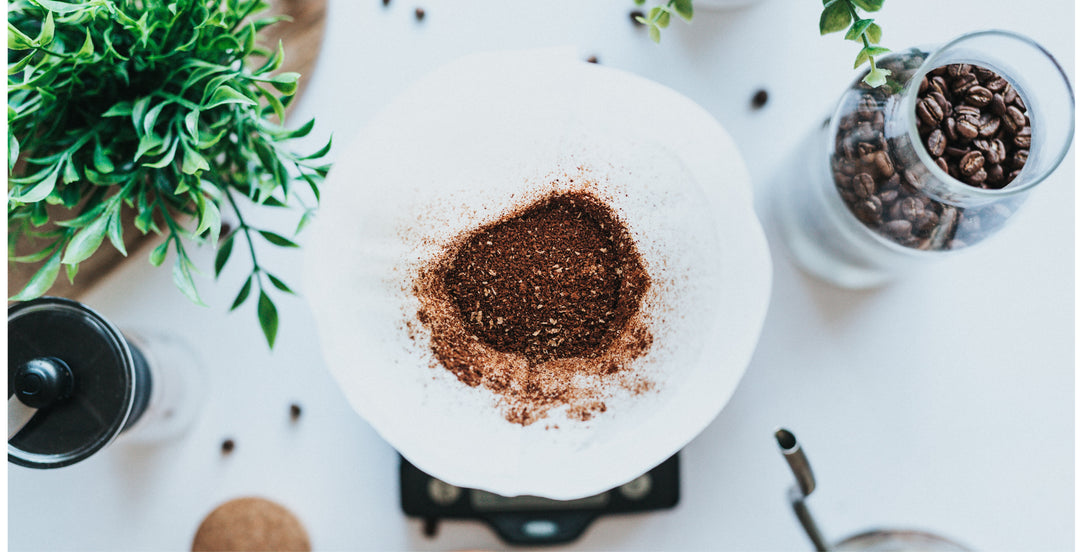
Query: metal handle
point(18, 415)
point(804, 485)
point(37, 384)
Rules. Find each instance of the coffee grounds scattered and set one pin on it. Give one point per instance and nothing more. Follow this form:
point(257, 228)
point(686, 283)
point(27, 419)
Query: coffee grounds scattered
point(542, 307)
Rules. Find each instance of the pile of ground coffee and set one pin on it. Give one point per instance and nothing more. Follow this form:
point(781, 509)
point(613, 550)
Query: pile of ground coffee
point(537, 303)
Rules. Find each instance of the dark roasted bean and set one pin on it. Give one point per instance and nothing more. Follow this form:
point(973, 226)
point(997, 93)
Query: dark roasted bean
point(942, 164)
point(962, 83)
point(997, 105)
point(978, 177)
point(938, 83)
point(936, 143)
point(1023, 138)
point(989, 125)
point(966, 129)
point(956, 151)
point(884, 164)
point(946, 106)
point(950, 129)
point(888, 196)
point(979, 96)
point(863, 185)
point(929, 111)
point(1019, 159)
point(971, 163)
point(898, 228)
point(995, 175)
point(997, 84)
point(1015, 118)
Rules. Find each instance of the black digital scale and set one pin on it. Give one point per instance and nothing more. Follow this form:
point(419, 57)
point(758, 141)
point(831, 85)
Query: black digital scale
point(530, 520)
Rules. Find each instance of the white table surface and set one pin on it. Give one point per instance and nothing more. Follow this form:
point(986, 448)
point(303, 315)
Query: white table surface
point(944, 401)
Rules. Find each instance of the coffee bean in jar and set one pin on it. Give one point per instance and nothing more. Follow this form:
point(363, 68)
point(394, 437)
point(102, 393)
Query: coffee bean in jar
point(935, 160)
point(975, 127)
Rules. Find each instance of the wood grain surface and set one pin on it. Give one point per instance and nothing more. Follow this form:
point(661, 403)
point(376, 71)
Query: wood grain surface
point(301, 38)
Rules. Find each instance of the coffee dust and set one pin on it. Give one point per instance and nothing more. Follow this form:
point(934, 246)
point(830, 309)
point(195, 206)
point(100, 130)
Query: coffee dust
point(542, 307)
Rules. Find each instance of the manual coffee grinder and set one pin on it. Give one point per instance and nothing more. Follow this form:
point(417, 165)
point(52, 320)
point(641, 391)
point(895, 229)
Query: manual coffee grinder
point(75, 383)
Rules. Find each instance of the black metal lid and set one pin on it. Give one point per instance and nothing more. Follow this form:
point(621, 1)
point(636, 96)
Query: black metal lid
point(102, 385)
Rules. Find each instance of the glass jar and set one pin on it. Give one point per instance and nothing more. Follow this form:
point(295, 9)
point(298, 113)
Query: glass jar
point(865, 199)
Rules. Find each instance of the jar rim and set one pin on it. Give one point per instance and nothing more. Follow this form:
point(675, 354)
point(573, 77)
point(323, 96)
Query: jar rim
point(951, 184)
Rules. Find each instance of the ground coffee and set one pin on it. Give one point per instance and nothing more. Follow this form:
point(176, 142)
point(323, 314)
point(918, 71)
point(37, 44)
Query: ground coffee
point(539, 306)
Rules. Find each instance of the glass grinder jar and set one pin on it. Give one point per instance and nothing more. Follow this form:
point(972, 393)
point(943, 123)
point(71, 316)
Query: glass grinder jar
point(866, 201)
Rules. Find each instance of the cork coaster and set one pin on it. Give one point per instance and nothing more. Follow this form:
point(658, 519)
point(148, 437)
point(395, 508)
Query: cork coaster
point(251, 524)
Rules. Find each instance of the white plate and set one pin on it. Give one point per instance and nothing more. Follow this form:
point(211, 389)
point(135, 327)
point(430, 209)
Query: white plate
point(460, 148)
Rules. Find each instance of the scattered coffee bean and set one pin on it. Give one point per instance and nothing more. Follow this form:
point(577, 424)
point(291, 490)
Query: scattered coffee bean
point(227, 446)
point(385, 3)
point(420, 14)
point(634, 15)
point(295, 411)
point(761, 97)
point(593, 59)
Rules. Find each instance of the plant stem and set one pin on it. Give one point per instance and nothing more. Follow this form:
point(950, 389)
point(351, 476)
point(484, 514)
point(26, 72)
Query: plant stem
point(247, 235)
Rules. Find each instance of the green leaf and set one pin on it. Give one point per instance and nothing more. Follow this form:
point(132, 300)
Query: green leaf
point(685, 9)
point(209, 219)
point(273, 62)
point(40, 190)
point(877, 77)
point(13, 151)
point(86, 241)
point(654, 33)
point(119, 109)
point(48, 30)
point(866, 53)
point(306, 219)
point(101, 161)
point(277, 239)
point(278, 283)
point(41, 281)
point(227, 95)
point(285, 83)
point(87, 49)
point(224, 250)
point(184, 282)
point(835, 17)
point(72, 270)
point(18, 41)
point(268, 318)
point(116, 233)
point(157, 256)
point(193, 161)
point(869, 5)
point(148, 143)
point(243, 295)
point(64, 7)
point(664, 19)
point(856, 30)
point(166, 158)
point(873, 33)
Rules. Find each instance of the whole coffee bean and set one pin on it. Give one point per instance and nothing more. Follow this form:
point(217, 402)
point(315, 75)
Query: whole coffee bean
point(1019, 158)
point(911, 181)
point(997, 84)
point(962, 83)
point(923, 85)
point(1019, 102)
point(898, 228)
point(929, 111)
point(956, 151)
point(869, 210)
point(940, 71)
point(911, 208)
point(888, 196)
point(983, 73)
point(863, 185)
point(967, 111)
point(996, 153)
point(939, 85)
point(942, 164)
point(884, 164)
point(978, 177)
point(1014, 119)
point(1012, 176)
point(1009, 95)
point(966, 129)
point(971, 163)
point(979, 96)
point(956, 69)
point(867, 106)
point(936, 143)
point(926, 222)
point(995, 175)
point(989, 125)
point(946, 106)
point(950, 129)
point(892, 183)
point(997, 105)
point(1023, 138)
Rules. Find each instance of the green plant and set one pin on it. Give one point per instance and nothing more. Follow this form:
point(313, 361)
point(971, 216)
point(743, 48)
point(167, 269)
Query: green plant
point(836, 16)
point(839, 14)
point(659, 17)
point(153, 112)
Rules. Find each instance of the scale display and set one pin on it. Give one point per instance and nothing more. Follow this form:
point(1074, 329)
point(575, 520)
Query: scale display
point(534, 520)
